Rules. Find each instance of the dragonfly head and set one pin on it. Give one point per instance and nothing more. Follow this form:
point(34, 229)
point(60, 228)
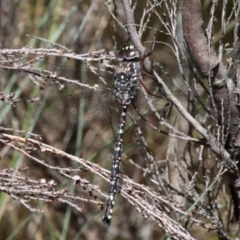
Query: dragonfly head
point(128, 52)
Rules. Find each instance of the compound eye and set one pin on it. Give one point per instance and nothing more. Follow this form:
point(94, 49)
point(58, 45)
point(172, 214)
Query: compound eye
point(120, 56)
point(132, 54)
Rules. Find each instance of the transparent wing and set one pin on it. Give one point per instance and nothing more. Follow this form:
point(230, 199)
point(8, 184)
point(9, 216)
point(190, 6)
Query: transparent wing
point(59, 97)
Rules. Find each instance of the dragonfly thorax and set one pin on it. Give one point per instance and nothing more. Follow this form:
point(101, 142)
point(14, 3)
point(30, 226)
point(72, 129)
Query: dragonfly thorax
point(126, 77)
point(124, 88)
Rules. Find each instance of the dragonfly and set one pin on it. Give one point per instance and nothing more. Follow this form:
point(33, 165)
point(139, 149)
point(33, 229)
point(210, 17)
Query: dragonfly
point(125, 86)
point(126, 78)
